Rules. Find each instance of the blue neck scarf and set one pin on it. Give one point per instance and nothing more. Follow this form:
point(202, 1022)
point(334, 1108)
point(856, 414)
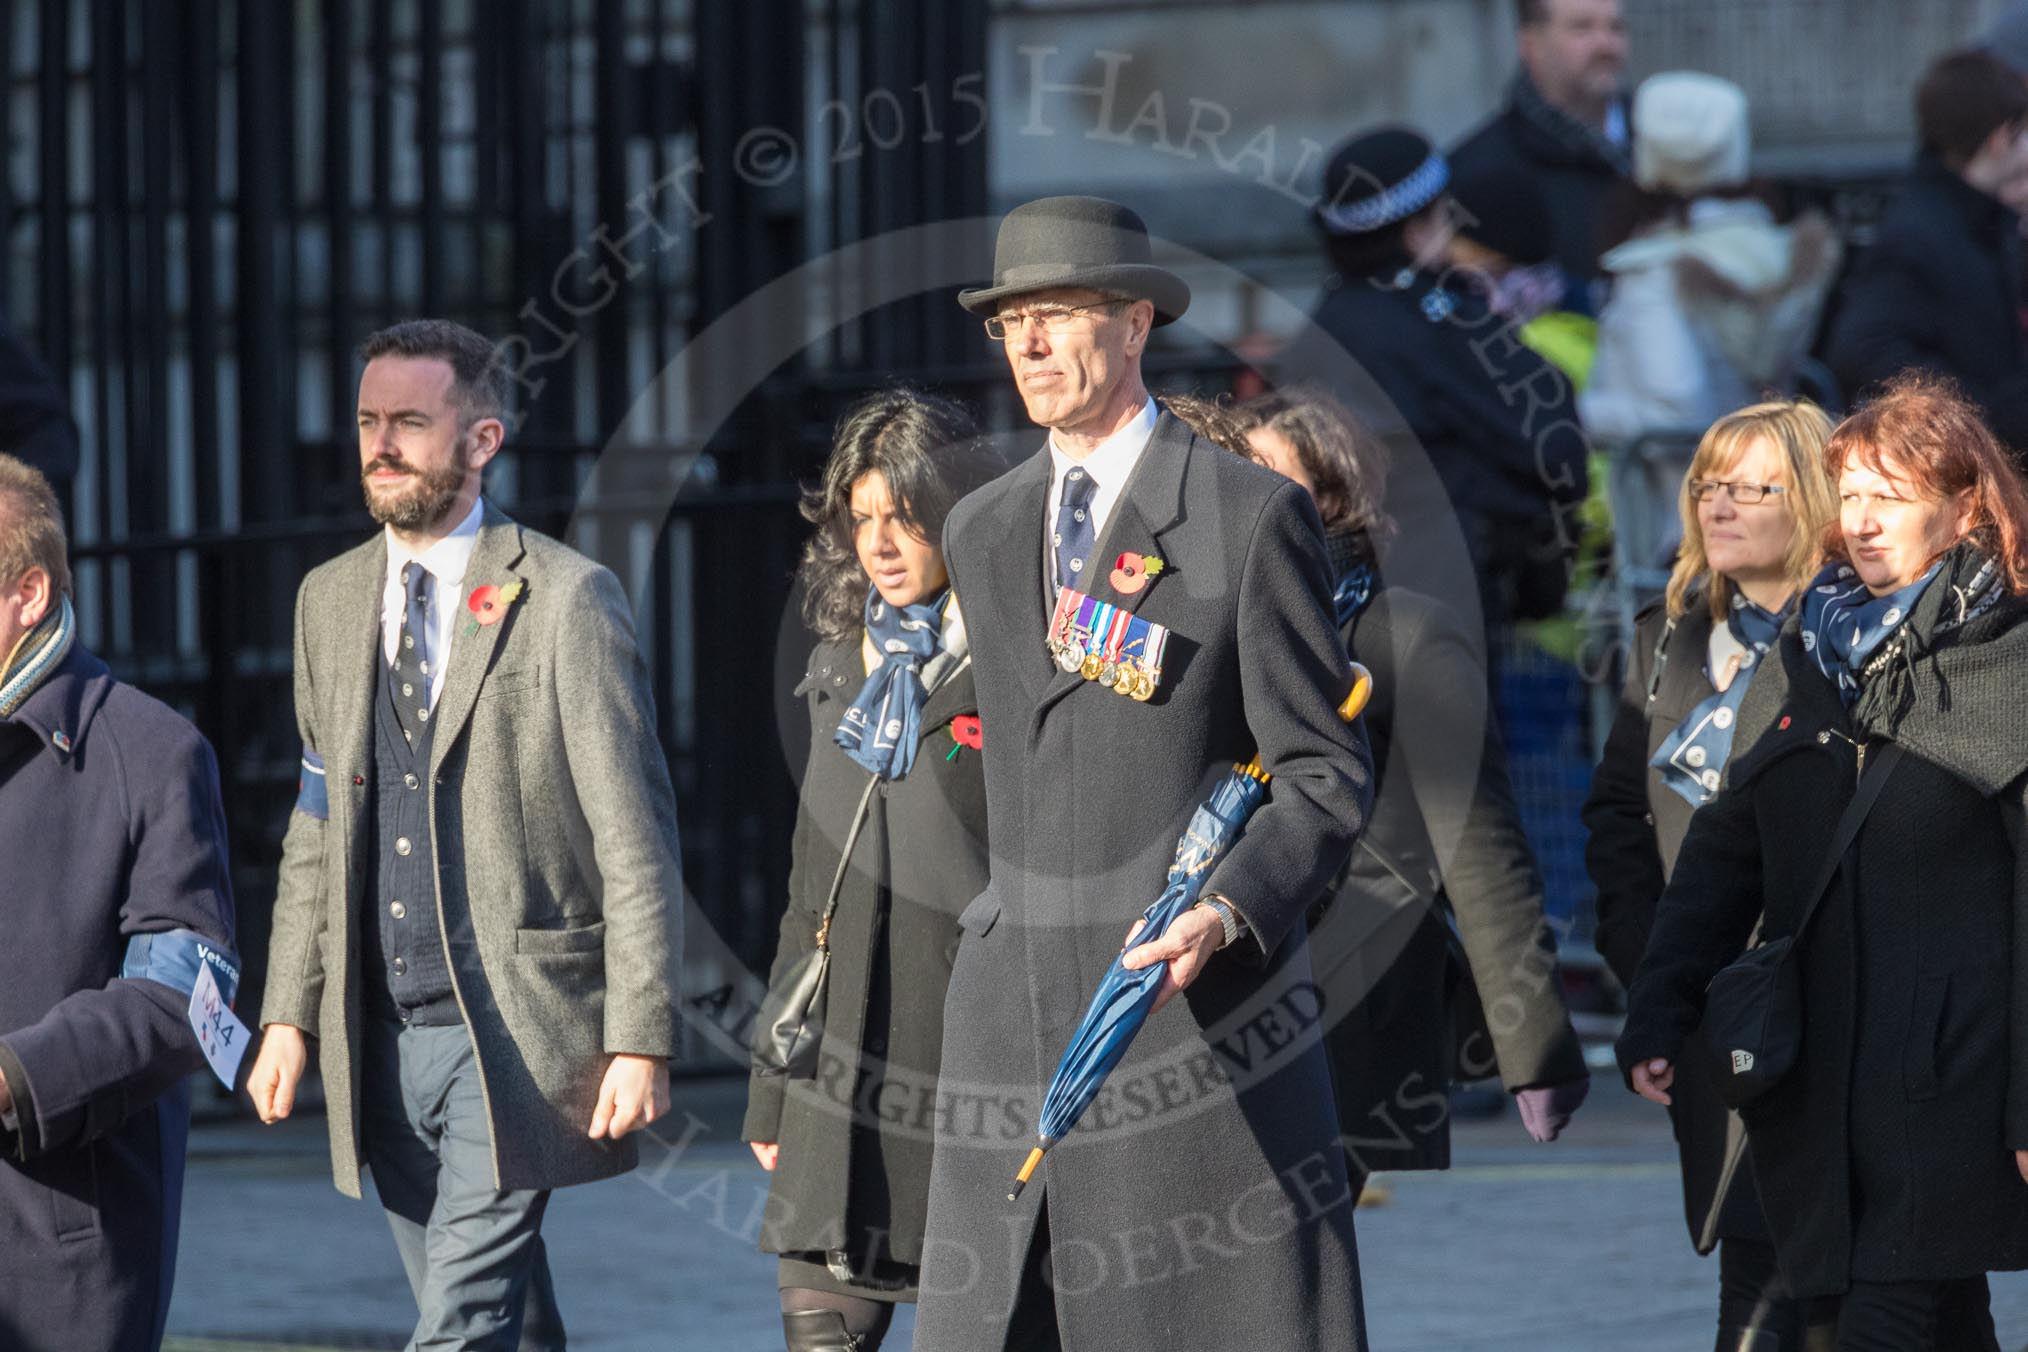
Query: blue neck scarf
point(881, 728)
point(1844, 624)
point(1692, 756)
point(1353, 592)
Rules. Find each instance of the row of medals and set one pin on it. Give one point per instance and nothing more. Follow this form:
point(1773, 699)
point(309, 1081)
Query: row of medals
point(1122, 675)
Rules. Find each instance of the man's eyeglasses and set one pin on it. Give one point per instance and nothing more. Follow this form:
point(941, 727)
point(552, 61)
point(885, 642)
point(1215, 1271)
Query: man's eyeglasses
point(1744, 494)
point(1054, 319)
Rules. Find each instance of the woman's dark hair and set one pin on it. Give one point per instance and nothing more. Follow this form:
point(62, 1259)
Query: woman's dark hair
point(928, 450)
point(1346, 462)
point(1629, 209)
point(1962, 100)
point(1923, 431)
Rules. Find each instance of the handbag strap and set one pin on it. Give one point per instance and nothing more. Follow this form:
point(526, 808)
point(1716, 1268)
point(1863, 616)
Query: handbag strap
point(1862, 802)
point(845, 862)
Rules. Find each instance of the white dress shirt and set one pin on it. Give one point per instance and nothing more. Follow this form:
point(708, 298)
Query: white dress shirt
point(446, 560)
point(1109, 464)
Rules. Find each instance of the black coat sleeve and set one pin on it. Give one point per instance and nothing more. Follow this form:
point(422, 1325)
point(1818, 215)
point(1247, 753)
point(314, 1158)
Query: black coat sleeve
point(1705, 916)
point(100, 1056)
point(1489, 872)
point(1620, 850)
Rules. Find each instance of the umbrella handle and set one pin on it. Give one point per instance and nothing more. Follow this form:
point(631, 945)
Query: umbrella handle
point(1354, 705)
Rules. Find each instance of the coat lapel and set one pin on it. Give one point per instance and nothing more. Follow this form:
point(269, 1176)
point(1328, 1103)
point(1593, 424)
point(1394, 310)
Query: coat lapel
point(493, 563)
point(1150, 507)
point(353, 619)
point(1014, 583)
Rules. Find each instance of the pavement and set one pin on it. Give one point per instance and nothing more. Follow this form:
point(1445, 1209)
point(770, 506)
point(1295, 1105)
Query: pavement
point(1578, 1246)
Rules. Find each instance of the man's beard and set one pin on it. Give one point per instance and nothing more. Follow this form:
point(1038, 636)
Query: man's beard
point(418, 505)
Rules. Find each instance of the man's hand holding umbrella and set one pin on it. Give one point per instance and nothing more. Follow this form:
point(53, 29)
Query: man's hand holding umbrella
point(1187, 945)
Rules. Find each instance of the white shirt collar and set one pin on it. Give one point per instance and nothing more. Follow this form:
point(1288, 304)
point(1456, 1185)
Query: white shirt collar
point(446, 558)
point(1113, 459)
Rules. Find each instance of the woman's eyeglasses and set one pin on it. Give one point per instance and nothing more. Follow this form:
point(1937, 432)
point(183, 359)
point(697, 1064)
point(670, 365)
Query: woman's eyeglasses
point(1744, 494)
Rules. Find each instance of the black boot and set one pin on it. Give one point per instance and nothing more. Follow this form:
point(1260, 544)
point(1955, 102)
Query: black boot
point(818, 1331)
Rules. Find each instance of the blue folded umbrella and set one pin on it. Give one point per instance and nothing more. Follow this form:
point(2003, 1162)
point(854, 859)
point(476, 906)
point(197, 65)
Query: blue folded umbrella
point(1123, 999)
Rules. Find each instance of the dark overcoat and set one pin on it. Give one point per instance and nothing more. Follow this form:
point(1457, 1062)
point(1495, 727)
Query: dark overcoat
point(854, 1167)
point(1635, 825)
point(1444, 864)
point(1576, 179)
point(110, 828)
point(1886, 1154)
point(1203, 1201)
point(1938, 290)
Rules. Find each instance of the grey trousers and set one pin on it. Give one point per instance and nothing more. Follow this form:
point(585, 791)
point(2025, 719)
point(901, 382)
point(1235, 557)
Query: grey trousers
point(473, 1254)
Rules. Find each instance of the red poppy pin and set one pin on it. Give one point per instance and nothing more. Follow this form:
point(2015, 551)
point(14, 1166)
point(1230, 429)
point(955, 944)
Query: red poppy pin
point(1785, 723)
point(489, 603)
point(1132, 571)
point(967, 731)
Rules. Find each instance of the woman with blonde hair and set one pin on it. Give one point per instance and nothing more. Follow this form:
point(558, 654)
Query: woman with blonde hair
point(1755, 507)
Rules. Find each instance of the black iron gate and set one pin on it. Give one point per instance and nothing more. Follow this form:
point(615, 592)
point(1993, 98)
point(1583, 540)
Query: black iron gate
point(209, 202)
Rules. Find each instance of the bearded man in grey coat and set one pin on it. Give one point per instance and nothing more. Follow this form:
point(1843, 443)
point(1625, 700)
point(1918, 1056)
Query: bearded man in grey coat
point(479, 910)
point(1203, 1202)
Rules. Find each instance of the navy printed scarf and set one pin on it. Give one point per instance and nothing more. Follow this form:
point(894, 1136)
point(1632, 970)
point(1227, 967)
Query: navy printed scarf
point(1692, 756)
point(884, 723)
point(1844, 624)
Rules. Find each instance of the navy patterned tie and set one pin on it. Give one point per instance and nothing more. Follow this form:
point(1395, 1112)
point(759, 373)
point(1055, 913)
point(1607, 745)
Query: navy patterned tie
point(411, 684)
point(1076, 534)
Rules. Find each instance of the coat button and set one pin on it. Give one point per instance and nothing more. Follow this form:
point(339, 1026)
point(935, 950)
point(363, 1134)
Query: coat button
point(410, 780)
point(400, 967)
point(398, 911)
point(1648, 817)
point(401, 846)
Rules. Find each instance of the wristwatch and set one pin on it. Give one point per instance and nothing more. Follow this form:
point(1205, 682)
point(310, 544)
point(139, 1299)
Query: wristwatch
point(1228, 915)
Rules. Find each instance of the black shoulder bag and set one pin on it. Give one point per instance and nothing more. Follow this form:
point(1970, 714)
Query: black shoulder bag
point(790, 1028)
point(1753, 1008)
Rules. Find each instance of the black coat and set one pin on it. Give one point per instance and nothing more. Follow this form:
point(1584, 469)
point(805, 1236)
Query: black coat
point(1938, 290)
point(110, 828)
point(855, 1140)
point(1445, 848)
point(1217, 1128)
point(1574, 174)
point(1886, 1155)
point(1636, 824)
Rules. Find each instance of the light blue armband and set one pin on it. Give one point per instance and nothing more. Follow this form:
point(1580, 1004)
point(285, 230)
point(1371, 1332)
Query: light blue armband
point(313, 799)
point(173, 959)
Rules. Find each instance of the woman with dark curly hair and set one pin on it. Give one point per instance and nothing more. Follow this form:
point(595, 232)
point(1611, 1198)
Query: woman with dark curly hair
point(1891, 1152)
point(890, 844)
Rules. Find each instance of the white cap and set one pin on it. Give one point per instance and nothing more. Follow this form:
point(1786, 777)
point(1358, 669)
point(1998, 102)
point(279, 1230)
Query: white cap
point(1690, 133)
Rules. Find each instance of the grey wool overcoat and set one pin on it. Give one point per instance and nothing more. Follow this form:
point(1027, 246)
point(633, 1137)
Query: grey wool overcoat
point(554, 828)
point(1203, 1202)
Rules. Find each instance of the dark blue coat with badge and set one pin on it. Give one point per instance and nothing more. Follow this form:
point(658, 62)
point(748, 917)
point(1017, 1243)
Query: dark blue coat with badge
point(1479, 428)
point(111, 832)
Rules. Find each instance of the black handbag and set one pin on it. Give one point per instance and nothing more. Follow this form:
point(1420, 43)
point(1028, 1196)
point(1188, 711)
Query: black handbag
point(790, 1028)
point(1753, 1008)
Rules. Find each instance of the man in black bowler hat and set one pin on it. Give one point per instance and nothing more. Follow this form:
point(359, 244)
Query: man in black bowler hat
point(1203, 1201)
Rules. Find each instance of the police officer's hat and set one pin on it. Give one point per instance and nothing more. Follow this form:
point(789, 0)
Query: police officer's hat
point(1380, 179)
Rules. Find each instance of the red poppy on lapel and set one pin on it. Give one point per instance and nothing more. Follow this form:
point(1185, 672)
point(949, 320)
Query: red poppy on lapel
point(969, 731)
point(1132, 571)
point(489, 603)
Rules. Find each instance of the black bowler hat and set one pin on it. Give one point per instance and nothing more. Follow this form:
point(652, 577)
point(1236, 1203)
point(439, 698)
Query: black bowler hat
point(1077, 241)
point(1503, 210)
point(1380, 179)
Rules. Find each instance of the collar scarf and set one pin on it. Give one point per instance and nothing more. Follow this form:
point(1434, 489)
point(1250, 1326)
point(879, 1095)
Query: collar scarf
point(1579, 139)
point(884, 722)
point(1692, 756)
point(40, 651)
point(1352, 565)
point(1844, 624)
